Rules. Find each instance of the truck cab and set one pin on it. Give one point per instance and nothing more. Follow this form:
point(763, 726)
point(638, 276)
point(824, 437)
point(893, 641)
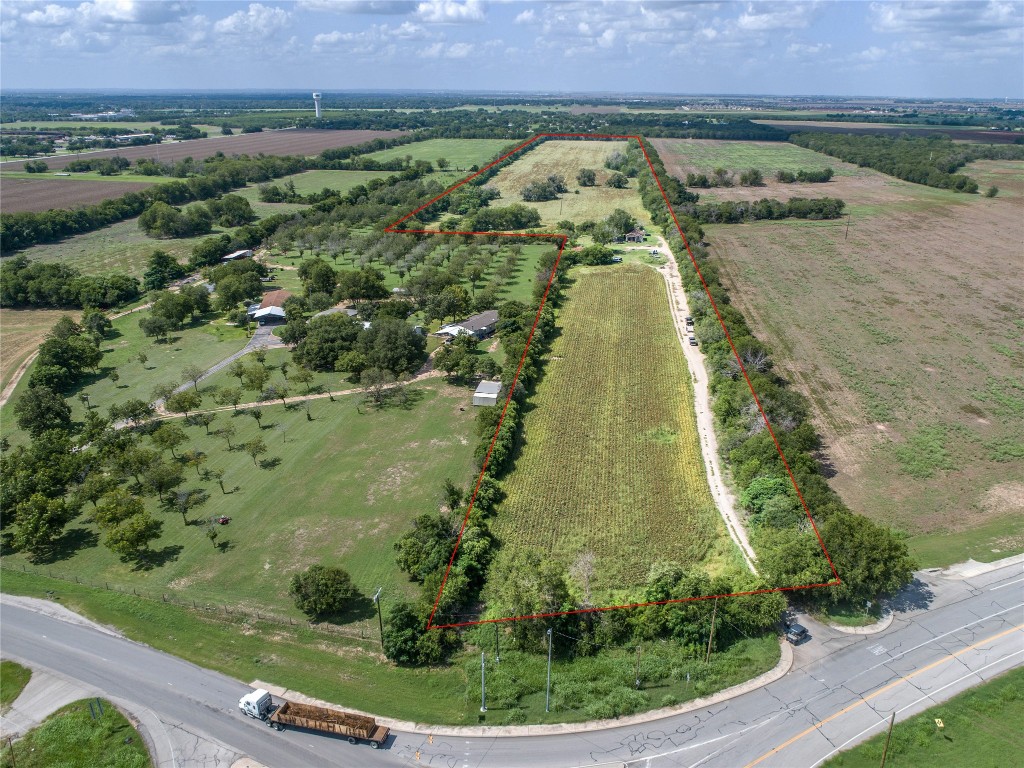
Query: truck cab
point(257, 704)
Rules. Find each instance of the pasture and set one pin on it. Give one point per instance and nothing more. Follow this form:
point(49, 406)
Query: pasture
point(21, 333)
point(310, 182)
point(567, 158)
point(682, 156)
point(339, 489)
point(610, 461)
point(906, 337)
point(460, 153)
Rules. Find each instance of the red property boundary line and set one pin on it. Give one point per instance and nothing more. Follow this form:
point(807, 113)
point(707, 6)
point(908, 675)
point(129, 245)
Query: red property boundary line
point(563, 239)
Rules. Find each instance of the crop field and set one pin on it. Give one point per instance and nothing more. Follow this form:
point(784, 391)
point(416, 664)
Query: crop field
point(121, 247)
point(43, 193)
point(21, 332)
point(309, 182)
point(682, 156)
point(290, 141)
point(610, 461)
point(567, 158)
point(339, 490)
point(980, 135)
point(906, 337)
point(461, 153)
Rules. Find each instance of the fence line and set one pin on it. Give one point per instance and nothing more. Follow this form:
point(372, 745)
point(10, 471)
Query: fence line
point(359, 630)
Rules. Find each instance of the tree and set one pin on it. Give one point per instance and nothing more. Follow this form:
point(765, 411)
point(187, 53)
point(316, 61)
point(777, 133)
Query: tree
point(229, 396)
point(402, 632)
point(254, 448)
point(184, 501)
point(115, 377)
point(39, 523)
point(117, 506)
point(95, 486)
point(237, 369)
point(871, 559)
point(192, 373)
point(284, 370)
point(586, 177)
point(183, 402)
point(133, 411)
point(169, 436)
point(303, 376)
point(260, 356)
point(618, 181)
point(194, 458)
point(130, 539)
point(162, 476)
point(752, 178)
point(227, 432)
point(143, 358)
point(206, 419)
point(218, 475)
point(256, 378)
point(392, 345)
point(161, 269)
point(322, 590)
point(442, 163)
point(41, 409)
point(156, 327)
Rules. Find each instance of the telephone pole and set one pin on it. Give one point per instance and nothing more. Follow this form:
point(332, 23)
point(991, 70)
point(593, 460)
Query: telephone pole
point(712, 636)
point(892, 719)
point(380, 621)
point(483, 684)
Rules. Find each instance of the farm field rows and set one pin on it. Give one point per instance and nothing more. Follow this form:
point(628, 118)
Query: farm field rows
point(290, 141)
point(339, 489)
point(567, 158)
point(906, 337)
point(610, 461)
point(982, 135)
point(43, 193)
point(682, 156)
point(460, 153)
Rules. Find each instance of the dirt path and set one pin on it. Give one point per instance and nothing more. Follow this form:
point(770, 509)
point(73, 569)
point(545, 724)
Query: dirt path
point(721, 492)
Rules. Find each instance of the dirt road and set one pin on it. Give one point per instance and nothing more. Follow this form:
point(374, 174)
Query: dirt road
point(721, 492)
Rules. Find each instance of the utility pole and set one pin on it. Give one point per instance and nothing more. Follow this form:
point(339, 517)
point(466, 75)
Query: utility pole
point(637, 675)
point(849, 218)
point(380, 621)
point(712, 636)
point(497, 655)
point(483, 684)
point(547, 697)
point(892, 719)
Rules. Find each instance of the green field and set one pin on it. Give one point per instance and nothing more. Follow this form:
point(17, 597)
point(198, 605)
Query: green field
point(567, 158)
point(460, 153)
point(121, 247)
point(13, 679)
point(611, 460)
point(703, 156)
point(313, 181)
point(88, 176)
point(74, 736)
point(981, 729)
point(337, 489)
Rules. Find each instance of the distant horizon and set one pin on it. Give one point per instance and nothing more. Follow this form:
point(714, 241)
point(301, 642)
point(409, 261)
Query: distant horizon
point(895, 49)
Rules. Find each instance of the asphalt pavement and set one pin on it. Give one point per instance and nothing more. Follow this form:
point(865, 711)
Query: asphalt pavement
point(950, 632)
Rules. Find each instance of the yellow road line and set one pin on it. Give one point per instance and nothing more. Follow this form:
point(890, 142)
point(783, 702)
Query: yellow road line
point(879, 692)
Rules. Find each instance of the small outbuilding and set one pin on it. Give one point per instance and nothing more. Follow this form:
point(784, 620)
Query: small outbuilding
point(243, 254)
point(636, 236)
point(487, 393)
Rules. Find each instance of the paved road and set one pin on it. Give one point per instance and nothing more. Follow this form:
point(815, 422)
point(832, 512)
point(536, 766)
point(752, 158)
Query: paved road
point(950, 633)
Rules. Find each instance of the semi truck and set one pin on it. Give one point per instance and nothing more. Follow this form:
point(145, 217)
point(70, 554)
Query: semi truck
point(260, 705)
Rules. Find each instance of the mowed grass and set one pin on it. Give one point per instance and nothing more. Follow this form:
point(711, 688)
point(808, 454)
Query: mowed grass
point(122, 248)
point(13, 679)
point(339, 489)
point(75, 735)
point(89, 176)
point(310, 182)
point(21, 333)
point(906, 337)
point(610, 460)
point(567, 158)
point(704, 155)
point(981, 727)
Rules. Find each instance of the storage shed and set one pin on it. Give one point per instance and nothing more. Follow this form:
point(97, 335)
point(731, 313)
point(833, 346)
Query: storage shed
point(487, 393)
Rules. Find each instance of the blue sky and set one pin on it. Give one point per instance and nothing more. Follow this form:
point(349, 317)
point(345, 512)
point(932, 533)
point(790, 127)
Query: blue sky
point(926, 49)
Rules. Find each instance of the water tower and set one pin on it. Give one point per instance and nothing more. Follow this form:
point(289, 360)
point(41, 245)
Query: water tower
point(316, 104)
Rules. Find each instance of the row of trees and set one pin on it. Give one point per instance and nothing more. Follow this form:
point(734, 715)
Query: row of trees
point(25, 283)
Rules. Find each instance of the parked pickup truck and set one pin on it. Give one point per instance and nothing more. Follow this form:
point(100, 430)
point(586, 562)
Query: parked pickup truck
point(259, 705)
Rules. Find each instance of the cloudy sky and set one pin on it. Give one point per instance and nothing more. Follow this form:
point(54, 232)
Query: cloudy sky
point(956, 49)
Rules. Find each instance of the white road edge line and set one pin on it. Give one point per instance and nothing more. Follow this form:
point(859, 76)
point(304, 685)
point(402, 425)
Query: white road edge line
point(915, 703)
point(1018, 581)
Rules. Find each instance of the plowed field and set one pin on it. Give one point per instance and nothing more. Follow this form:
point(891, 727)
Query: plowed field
point(45, 193)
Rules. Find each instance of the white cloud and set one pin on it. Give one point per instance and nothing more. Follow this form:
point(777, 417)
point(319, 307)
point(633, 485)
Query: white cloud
point(443, 50)
point(358, 6)
point(526, 17)
point(49, 16)
point(450, 11)
point(257, 21)
point(807, 49)
point(458, 50)
point(870, 55)
point(762, 17)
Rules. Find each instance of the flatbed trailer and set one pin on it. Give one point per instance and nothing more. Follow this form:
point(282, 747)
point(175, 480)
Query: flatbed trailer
point(353, 727)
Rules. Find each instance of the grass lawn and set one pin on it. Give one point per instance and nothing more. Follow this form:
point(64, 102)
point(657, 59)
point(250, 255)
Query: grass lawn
point(13, 679)
point(70, 736)
point(987, 542)
point(339, 489)
point(611, 463)
point(567, 158)
point(313, 181)
point(981, 728)
point(121, 248)
point(351, 672)
point(460, 153)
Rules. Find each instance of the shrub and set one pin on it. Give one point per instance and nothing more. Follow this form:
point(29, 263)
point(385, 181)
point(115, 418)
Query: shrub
point(322, 590)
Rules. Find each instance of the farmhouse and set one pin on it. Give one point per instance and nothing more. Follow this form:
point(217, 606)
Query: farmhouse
point(636, 236)
point(481, 326)
point(271, 309)
point(487, 393)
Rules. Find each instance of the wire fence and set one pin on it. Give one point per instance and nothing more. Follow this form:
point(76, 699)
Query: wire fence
point(360, 629)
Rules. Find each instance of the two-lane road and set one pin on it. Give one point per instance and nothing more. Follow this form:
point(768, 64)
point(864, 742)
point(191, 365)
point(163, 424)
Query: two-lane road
point(954, 634)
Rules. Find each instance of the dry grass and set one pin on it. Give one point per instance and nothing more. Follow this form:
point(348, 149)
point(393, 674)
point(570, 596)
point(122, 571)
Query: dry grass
point(907, 339)
point(567, 158)
point(21, 333)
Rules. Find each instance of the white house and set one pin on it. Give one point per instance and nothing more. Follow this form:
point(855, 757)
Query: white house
point(487, 393)
point(481, 326)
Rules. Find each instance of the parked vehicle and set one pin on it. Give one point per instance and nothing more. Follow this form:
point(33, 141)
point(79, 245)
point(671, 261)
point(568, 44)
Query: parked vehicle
point(260, 705)
point(796, 633)
point(692, 339)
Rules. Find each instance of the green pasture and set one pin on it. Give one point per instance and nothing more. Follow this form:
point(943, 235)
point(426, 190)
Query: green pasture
point(87, 176)
point(767, 156)
point(460, 153)
point(13, 679)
